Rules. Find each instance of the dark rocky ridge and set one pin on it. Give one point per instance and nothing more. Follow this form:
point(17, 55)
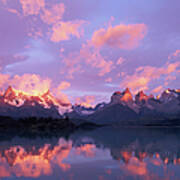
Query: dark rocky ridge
point(123, 109)
point(143, 111)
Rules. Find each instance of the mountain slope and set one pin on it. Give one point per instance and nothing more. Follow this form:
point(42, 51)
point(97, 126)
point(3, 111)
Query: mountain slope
point(122, 109)
point(144, 110)
point(17, 104)
point(114, 114)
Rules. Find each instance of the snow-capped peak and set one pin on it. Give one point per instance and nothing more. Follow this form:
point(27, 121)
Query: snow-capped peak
point(168, 95)
point(47, 100)
point(9, 92)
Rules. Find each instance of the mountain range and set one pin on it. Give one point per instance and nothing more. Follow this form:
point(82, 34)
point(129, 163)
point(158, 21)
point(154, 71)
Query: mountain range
point(143, 109)
point(123, 108)
point(18, 104)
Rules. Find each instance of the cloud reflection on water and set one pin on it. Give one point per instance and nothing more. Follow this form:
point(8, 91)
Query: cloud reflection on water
point(113, 154)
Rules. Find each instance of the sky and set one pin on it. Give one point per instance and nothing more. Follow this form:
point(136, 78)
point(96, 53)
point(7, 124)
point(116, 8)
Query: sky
point(84, 50)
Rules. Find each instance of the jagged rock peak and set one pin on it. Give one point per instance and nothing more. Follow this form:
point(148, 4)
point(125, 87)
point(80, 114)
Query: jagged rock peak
point(9, 91)
point(127, 96)
point(124, 96)
point(141, 98)
point(127, 91)
point(141, 94)
point(168, 95)
point(47, 93)
point(117, 93)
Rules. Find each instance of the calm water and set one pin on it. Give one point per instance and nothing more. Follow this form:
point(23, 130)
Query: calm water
point(102, 154)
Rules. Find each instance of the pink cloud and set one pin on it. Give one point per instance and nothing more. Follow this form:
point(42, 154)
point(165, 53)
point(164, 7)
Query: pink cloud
point(89, 56)
point(93, 57)
point(53, 14)
point(30, 83)
point(32, 7)
point(120, 61)
point(88, 150)
point(58, 92)
point(34, 84)
point(121, 36)
point(33, 165)
point(64, 85)
point(121, 74)
point(136, 167)
point(62, 31)
point(62, 97)
point(157, 89)
point(172, 67)
point(72, 64)
point(14, 11)
point(175, 54)
point(87, 101)
point(4, 2)
point(3, 80)
point(108, 80)
point(58, 30)
point(144, 75)
point(35, 32)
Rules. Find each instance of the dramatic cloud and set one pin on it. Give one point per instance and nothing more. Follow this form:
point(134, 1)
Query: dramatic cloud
point(87, 101)
point(72, 64)
point(64, 85)
point(31, 83)
point(32, 7)
point(89, 56)
point(62, 31)
point(51, 15)
point(63, 98)
point(34, 84)
point(54, 14)
point(143, 76)
point(73, 39)
point(93, 57)
point(121, 36)
point(57, 29)
point(58, 92)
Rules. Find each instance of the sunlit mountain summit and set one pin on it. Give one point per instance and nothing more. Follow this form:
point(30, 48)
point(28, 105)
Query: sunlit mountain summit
point(17, 103)
point(144, 109)
point(123, 108)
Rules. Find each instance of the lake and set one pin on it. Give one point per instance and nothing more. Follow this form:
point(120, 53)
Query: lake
point(107, 153)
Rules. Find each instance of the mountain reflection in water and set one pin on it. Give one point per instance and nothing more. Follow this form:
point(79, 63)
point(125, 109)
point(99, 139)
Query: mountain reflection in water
point(102, 154)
